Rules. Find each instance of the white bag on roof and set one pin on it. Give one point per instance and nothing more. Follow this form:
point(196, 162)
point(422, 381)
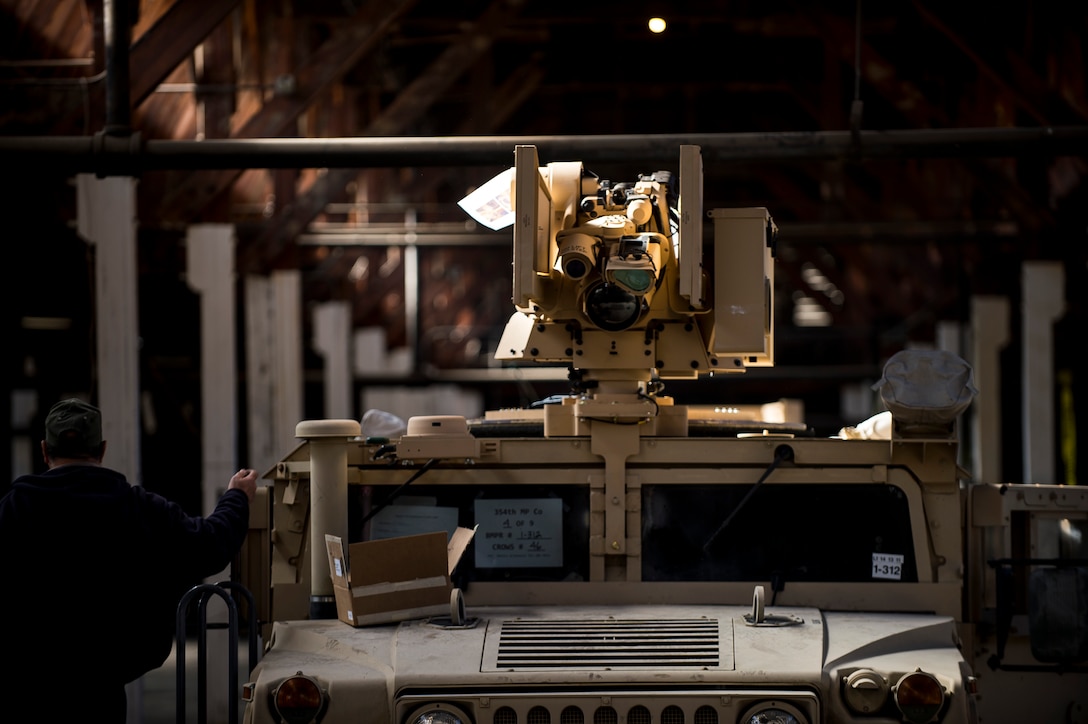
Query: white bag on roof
point(926, 388)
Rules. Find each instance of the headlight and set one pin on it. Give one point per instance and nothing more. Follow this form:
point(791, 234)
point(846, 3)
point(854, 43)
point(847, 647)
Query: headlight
point(299, 700)
point(439, 713)
point(919, 697)
point(773, 712)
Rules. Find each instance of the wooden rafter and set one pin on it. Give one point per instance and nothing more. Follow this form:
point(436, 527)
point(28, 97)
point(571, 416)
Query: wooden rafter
point(409, 106)
point(355, 37)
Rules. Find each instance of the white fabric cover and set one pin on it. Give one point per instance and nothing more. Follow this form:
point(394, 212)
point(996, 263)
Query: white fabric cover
point(926, 388)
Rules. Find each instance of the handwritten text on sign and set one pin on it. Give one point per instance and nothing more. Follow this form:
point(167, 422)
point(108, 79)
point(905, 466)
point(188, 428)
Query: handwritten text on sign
point(519, 533)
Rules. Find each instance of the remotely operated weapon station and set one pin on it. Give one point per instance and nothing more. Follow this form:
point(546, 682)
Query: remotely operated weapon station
point(615, 557)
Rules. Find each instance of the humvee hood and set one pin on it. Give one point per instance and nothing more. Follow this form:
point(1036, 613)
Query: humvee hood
point(706, 643)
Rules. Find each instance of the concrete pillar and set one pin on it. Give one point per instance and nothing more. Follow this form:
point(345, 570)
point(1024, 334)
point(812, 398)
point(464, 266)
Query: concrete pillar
point(287, 357)
point(273, 365)
point(106, 219)
point(332, 339)
point(1043, 302)
point(211, 273)
point(260, 384)
point(989, 335)
point(949, 337)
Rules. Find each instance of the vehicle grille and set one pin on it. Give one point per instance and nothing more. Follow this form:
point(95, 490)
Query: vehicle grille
point(637, 714)
point(607, 643)
point(654, 706)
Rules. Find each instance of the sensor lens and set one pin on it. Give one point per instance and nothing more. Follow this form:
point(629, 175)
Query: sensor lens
point(637, 280)
point(612, 308)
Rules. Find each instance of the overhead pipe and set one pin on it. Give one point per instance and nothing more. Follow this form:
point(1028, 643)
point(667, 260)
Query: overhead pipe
point(111, 155)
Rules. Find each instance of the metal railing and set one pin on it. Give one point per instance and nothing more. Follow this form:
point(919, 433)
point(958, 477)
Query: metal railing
point(202, 593)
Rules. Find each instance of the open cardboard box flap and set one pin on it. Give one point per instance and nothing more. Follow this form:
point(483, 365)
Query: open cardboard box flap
point(395, 579)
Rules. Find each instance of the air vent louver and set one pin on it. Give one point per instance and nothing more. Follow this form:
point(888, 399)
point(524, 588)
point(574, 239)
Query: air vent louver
point(608, 644)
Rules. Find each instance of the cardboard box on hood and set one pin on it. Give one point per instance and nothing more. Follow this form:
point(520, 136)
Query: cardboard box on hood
point(396, 579)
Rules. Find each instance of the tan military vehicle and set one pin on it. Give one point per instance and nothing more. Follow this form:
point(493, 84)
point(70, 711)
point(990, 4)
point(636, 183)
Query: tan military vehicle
point(618, 558)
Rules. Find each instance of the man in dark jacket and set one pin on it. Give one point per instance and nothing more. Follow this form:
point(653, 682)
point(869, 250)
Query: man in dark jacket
point(92, 569)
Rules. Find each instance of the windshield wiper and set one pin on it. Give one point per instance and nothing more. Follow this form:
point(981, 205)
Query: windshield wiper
point(399, 489)
point(782, 454)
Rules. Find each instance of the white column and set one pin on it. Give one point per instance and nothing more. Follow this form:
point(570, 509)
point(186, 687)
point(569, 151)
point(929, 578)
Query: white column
point(949, 337)
point(211, 273)
point(1043, 302)
point(106, 219)
point(24, 406)
point(332, 337)
point(287, 367)
point(260, 384)
point(274, 365)
point(989, 335)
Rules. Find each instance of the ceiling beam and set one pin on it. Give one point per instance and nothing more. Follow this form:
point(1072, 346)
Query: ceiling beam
point(356, 37)
point(171, 40)
point(910, 100)
point(1031, 96)
point(408, 107)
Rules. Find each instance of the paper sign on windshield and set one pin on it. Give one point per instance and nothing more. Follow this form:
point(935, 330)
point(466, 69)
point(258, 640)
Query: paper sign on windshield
point(519, 533)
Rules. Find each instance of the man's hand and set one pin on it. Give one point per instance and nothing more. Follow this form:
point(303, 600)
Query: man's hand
point(246, 481)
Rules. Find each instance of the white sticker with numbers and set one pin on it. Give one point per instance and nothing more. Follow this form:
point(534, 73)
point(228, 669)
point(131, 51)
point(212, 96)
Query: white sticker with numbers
point(888, 565)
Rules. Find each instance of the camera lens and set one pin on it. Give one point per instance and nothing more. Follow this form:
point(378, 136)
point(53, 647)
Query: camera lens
point(612, 308)
point(576, 268)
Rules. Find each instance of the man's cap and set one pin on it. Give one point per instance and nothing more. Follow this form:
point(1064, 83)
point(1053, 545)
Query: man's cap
point(73, 425)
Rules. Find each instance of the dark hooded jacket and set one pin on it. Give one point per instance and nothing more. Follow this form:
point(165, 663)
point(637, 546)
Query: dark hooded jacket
point(93, 569)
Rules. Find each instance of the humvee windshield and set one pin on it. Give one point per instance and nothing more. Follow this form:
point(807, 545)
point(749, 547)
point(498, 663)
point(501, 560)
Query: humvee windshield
point(690, 532)
point(837, 533)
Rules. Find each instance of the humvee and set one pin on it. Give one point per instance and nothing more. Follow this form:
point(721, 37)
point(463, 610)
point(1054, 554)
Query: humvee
point(637, 561)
